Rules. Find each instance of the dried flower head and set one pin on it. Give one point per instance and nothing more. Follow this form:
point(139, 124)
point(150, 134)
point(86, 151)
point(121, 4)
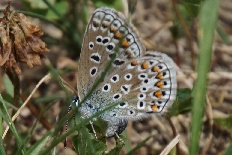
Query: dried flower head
point(19, 41)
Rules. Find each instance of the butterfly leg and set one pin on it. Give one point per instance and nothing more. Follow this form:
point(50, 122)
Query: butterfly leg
point(94, 132)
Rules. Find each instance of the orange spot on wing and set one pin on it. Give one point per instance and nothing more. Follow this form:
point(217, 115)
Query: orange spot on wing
point(112, 29)
point(105, 25)
point(134, 63)
point(158, 94)
point(159, 76)
point(128, 52)
point(125, 43)
point(95, 24)
point(145, 65)
point(155, 69)
point(118, 35)
point(159, 84)
point(154, 108)
point(130, 56)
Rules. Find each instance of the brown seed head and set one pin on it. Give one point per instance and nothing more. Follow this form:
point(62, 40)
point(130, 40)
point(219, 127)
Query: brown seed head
point(19, 41)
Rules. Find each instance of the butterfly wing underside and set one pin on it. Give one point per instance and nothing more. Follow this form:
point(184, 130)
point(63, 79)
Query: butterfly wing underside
point(140, 82)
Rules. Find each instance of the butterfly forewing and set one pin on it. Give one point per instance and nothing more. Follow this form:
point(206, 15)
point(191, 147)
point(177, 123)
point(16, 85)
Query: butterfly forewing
point(105, 34)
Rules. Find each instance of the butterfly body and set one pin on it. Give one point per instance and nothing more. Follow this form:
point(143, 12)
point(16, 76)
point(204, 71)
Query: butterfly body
point(137, 82)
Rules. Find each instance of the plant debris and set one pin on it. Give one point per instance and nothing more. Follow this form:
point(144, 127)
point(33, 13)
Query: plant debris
point(19, 41)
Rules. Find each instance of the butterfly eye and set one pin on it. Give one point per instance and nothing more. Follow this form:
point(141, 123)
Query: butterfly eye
point(76, 100)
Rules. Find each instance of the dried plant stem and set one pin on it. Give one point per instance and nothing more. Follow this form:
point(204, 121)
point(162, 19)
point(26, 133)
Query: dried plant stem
point(171, 145)
point(25, 103)
point(174, 134)
point(125, 7)
point(36, 113)
point(209, 116)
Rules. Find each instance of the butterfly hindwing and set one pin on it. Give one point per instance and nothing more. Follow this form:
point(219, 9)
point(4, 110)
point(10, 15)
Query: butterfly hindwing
point(143, 85)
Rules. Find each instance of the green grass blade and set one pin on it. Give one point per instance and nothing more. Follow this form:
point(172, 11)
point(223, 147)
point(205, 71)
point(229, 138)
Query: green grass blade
point(228, 151)
point(141, 144)
point(223, 35)
point(57, 128)
point(30, 134)
point(37, 149)
point(182, 104)
point(224, 123)
point(207, 25)
point(6, 116)
point(8, 85)
point(2, 150)
point(117, 149)
point(127, 143)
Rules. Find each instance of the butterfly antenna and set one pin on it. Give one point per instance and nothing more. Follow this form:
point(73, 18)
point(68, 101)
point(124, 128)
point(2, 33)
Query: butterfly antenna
point(66, 126)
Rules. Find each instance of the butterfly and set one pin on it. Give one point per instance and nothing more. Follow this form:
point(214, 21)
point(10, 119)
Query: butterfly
point(138, 82)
